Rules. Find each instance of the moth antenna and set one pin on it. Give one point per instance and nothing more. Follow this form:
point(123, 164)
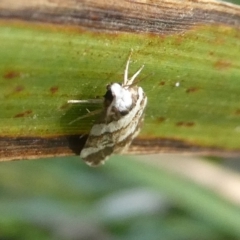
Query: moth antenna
point(89, 114)
point(140, 80)
point(126, 69)
point(131, 80)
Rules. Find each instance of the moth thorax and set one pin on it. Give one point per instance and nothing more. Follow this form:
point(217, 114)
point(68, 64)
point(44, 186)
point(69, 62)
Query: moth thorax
point(122, 97)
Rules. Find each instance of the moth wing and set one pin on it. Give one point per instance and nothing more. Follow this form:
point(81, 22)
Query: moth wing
point(99, 145)
point(114, 137)
point(130, 130)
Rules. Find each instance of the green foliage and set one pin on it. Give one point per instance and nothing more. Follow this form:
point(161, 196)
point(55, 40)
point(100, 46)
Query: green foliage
point(125, 199)
point(44, 66)
point(234, 1)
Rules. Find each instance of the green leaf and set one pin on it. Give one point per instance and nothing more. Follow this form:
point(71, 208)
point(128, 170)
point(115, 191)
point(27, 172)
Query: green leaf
point(191, 80)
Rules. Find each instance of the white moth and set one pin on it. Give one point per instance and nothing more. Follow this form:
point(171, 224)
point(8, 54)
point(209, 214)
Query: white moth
point(120, 121)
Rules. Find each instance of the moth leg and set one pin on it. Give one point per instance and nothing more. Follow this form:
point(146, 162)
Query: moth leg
point(89, 114)
point(86, 101)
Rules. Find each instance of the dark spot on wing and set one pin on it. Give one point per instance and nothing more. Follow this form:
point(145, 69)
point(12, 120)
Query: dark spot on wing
point(123, 113)
point(99, 157)
point(23, 114)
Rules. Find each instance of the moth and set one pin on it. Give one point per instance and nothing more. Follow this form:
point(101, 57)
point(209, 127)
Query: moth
point(120, 120)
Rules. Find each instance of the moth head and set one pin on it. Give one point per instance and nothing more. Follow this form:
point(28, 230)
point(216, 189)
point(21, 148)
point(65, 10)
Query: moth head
point(122, 97)
point(118, 97)
point(116, 89)
point(108, 95)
